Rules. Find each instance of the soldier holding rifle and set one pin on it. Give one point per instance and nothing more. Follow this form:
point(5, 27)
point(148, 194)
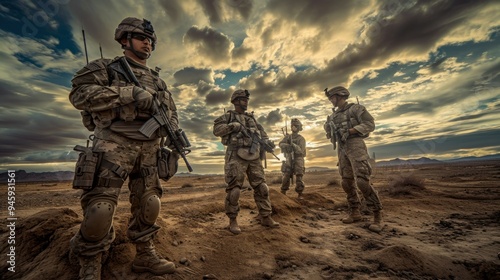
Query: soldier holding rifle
point(347, 127)
point(246, 144)
point(117, 97)
point(294, 147)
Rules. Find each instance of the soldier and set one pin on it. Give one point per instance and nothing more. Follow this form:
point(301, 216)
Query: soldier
point(294, 148)
point(115, 109)
point(236, 128)
point(347, 127)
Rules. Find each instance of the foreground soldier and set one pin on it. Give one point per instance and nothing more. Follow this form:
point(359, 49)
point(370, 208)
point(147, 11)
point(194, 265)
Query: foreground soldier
point(294, 148)
point(236, 128)
point(115, 109)
point(347, 127)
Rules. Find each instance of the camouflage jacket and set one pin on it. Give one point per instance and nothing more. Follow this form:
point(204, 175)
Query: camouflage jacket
point(349, 116)
point(224, 128)
point(297, 139)
point(105, 97)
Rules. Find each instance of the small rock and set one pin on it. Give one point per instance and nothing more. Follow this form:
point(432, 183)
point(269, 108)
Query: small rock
point(202, 258)
point(209, 276)
point(304, 239)
point(183, 261)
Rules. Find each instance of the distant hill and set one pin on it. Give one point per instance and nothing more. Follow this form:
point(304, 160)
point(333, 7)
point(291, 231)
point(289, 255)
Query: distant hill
point(398, 161)
point(488, 157)
point(23, 176)
point(425, 160)
point(317, 169)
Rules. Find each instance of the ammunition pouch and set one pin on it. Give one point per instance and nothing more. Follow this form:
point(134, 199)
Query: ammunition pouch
point(86, 168)
point(245, 154)
point(285, 168)
point(87, 120)
point(167, 164)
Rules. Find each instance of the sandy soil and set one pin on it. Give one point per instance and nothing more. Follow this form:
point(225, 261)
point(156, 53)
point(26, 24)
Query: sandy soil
point(448, 230)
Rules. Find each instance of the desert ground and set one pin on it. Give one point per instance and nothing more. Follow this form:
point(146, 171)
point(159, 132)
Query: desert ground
point(440, 222)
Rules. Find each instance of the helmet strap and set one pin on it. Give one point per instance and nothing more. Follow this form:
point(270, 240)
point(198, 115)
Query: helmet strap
point(140, 55)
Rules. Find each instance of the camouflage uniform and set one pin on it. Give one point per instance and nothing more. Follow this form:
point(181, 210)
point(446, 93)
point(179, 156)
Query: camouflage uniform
point(354, 167)
point(298, 148)
point(238, 161)
point(110, 109)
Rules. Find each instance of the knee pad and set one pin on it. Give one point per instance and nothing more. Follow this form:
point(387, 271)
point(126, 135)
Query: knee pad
point(233, 196)
point(262, 190)
point(97, 221)
point(150, 206)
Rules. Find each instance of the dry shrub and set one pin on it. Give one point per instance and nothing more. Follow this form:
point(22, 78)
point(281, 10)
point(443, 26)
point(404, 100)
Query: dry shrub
point(187, 185)
point(405, 184)
point(333, 183)
point(221, 186)
point(276, 180)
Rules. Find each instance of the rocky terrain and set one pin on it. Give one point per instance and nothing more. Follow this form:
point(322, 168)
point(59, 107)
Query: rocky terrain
point(442, 221)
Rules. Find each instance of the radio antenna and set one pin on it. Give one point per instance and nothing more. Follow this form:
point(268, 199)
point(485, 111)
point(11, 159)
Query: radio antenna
point(85, 45)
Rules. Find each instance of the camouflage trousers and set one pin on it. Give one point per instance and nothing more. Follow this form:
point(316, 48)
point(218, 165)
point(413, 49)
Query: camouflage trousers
point(139, 160)
point(298, 170)
point(355, 170)
point(235, 169)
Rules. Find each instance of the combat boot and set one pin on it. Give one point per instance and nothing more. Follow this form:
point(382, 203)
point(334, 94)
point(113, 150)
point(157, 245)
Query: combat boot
point(267, 221)
point(233, 226)
point(90, 267)
point(377, 222)
point(147, 260)
point(354, 216)
point(283, 192)
point(300, 196)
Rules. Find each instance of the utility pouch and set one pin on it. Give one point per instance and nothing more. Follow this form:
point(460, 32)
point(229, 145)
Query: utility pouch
point(285, 168)
point(86, 168)
point(167, 164)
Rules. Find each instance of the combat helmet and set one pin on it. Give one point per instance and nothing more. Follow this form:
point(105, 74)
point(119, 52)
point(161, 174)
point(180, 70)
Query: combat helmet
point(240, 93)
point(338, 90)
point(134, 25)
point(297, 123)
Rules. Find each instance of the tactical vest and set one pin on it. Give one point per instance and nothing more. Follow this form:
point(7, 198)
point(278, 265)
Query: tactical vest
point(295, 140)
point(236, 140)
point(127, 119)
point(347, 118)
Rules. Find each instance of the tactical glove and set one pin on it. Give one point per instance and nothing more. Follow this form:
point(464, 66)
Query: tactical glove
point(143, 98)
point(295, 147)
point(236, 126)
point(344, 134)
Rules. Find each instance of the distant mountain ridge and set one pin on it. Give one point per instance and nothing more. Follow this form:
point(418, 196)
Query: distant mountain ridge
point(425, 160)
point(398, 161)
point(55, 176)
point(23, 176)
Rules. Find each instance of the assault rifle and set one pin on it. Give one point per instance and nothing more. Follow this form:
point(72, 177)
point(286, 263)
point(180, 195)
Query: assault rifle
point(335, 134)
point(160, 120)
point(256, 140)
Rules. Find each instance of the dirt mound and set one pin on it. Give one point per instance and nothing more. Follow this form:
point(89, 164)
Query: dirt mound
point(42, 245)
point(407, 261)
point(427, 235)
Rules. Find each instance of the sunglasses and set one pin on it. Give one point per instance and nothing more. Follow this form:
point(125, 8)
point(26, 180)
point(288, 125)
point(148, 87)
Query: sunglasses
point(141, 37)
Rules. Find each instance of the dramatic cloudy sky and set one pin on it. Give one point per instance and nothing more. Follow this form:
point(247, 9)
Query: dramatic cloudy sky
point(427, 70)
